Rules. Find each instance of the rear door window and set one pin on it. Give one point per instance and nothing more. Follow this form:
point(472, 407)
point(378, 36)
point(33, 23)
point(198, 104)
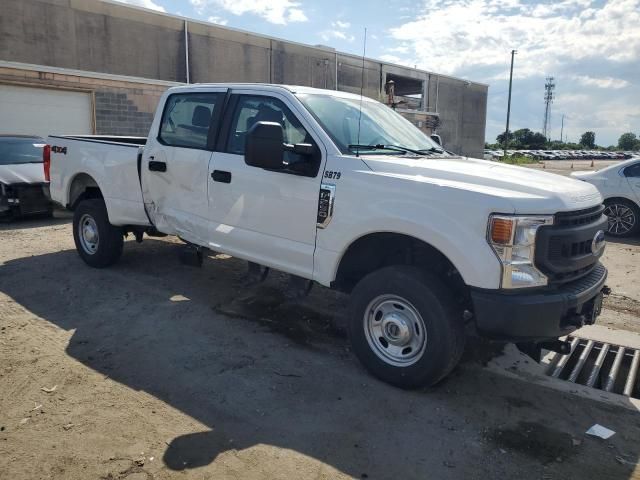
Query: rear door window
point(187, 119)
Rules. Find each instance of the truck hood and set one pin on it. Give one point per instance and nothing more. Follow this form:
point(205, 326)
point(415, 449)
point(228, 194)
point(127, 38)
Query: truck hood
point(22, 173)
point(528, 190)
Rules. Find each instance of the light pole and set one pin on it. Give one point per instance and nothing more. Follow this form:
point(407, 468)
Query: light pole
point(506, 132)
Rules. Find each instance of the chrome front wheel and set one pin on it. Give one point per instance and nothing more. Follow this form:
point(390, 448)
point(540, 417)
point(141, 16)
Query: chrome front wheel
point(395, 330)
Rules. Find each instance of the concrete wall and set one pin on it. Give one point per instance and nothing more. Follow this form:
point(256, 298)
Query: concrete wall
point(96, 36)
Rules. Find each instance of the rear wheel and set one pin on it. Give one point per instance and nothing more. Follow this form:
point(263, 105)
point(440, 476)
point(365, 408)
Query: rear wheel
point(404, 327)
point(98, 242)
point(623, 216)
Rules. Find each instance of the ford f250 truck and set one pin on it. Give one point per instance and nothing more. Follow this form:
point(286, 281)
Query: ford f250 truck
point(343, 191)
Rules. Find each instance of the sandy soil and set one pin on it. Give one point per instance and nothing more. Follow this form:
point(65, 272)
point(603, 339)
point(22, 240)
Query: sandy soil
point(152, 369)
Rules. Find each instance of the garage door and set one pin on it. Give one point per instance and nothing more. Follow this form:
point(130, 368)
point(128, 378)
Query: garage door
point(44, 111)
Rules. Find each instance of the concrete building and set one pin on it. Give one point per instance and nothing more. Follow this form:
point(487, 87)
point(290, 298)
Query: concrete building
point(92, 66)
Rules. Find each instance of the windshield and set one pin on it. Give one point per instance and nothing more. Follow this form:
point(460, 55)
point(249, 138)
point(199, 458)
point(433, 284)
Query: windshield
point(20, 150)
point(380, 125)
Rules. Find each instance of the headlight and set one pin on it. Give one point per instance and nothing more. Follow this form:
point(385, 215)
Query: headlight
point(513, 239)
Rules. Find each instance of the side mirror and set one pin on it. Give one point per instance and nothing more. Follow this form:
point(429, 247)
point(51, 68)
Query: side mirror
point(436, 138)
point(264, 146)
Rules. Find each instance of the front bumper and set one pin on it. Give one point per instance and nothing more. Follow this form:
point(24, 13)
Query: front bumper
point(24, 199)
point(539, 315)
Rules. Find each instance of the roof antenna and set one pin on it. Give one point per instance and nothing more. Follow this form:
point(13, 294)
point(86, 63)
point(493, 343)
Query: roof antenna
point(364, 52)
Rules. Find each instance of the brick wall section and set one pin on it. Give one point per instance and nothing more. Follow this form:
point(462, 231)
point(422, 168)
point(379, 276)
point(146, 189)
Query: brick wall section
point(117, 114)
point(120, 107)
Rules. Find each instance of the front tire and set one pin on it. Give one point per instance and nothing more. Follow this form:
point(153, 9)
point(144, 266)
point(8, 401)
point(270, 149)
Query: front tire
point(623, 216)
point(404, 327)
point(98, 242)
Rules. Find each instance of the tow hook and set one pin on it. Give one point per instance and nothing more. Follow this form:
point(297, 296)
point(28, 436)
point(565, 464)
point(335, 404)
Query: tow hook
point(558, 346)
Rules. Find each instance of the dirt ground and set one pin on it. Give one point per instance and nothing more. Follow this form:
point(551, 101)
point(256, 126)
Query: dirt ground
point(155, 370)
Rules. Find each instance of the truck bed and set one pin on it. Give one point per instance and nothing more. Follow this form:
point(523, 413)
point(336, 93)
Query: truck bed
point(109, 162)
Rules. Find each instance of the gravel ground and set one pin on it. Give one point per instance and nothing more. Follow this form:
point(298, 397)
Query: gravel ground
point(152, 369)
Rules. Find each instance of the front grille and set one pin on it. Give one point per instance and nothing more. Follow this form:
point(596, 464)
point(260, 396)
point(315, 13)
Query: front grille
point(579, 217)
point(563, 250)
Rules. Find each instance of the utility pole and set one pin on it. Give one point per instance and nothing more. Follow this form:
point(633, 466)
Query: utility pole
point(549, 87)
point(562, 128)
point(506, 132)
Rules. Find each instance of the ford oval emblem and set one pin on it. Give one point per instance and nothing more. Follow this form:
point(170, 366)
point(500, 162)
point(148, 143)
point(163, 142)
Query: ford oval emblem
point(597, 244)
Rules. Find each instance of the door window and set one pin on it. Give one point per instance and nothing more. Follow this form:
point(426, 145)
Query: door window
point(632, 171)
point(187, 119)
point(253, 109)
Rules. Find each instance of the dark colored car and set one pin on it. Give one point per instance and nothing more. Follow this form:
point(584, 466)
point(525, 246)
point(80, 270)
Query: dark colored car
point(22, 176)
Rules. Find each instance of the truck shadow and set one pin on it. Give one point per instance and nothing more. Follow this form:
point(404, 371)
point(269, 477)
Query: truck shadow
point(60, 217)
point(202, 342)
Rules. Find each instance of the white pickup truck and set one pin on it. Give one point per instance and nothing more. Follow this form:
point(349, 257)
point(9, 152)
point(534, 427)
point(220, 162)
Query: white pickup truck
point(343, 191)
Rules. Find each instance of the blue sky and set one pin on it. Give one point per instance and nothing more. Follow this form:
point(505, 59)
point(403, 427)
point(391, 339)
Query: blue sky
point(592, 48)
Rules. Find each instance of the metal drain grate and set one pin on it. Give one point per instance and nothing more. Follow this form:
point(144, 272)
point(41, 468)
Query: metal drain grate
point(608, 367)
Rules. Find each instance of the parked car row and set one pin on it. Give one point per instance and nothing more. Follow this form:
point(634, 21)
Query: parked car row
point(561, 154)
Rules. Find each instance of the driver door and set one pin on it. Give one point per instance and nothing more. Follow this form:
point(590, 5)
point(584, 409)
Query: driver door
point(268, 217)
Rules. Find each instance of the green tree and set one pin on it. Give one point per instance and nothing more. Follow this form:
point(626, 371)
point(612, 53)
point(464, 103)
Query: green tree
point(523, 138)
point(627, 141)
point(537, 141)
point(501, 138)
point(588, 139)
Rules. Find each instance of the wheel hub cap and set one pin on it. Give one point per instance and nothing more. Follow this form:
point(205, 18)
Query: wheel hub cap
point(395, 330)
point(88, 234)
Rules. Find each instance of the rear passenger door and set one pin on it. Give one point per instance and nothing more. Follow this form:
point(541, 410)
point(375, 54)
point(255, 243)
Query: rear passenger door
point(175, 164)
point(264, 216)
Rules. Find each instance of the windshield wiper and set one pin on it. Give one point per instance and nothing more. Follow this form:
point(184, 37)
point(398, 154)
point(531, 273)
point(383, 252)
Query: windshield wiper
point(432, 150)
point(379, 146)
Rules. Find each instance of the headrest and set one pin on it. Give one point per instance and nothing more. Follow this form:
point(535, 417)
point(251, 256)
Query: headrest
point(201, 116)
point(268, 114)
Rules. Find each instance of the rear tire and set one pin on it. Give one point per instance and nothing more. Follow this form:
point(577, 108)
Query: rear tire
point(404, 327)
point(623, 216)
point(98, 242)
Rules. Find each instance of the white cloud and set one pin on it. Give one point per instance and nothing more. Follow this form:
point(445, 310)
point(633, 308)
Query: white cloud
point(337, 30)
point(145, 4)
point(217, 20)
point(592, 48)
point(606, 82)
point(480, 32)
point(279, 12)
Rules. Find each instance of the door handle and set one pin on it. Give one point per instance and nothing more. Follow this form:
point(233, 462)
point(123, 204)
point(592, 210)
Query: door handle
point(155, 166)
point(221, 176)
